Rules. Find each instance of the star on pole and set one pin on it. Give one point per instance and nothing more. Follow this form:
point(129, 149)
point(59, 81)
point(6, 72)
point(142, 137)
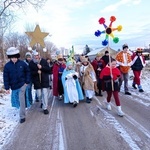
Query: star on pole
point(37, 37)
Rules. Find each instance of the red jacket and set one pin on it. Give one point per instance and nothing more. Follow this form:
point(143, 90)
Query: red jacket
point(55, 77)
point(106, 72)
point(105, 75)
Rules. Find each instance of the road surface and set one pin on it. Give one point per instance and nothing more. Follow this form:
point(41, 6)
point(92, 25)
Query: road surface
point(86, 127)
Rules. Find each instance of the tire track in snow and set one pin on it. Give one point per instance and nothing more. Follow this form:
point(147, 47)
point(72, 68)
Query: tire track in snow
point(123, 133)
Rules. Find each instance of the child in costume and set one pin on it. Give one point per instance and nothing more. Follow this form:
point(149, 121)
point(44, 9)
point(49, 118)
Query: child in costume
point(138, 62)
point(110, 75)
point(88, 79)
point(72, 89)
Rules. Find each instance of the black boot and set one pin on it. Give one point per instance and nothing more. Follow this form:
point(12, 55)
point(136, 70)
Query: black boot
point(141, 90)
point(22, 120)
point(133, 85)
point(100, 93)
point(96, 94)
point(74, 104)
point(88, 100)
point(41, 105)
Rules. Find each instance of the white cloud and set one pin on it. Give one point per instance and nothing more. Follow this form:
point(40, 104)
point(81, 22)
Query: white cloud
point(115, 6)
point(75, 21)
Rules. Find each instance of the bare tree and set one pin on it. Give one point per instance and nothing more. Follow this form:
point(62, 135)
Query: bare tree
point(8, 8)
point(7, 5)
point(7, 16)
point(17, 40)
point(51, 47)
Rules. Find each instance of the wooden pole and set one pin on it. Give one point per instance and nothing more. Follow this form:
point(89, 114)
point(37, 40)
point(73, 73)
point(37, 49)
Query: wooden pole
point(112, 83)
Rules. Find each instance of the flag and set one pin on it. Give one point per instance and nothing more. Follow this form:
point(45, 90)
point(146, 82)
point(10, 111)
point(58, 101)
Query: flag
point(71, 55)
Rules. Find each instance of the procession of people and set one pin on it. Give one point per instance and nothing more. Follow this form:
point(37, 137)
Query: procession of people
point(70, 81)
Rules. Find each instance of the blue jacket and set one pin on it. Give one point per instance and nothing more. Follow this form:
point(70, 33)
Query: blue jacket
point(15, 75)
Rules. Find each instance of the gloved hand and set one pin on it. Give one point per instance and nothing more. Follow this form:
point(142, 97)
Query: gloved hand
point(75, 77)
point(65, 78)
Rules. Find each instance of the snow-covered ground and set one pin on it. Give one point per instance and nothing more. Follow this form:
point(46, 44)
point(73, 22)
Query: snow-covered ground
point(9, 118)
point(8, 115)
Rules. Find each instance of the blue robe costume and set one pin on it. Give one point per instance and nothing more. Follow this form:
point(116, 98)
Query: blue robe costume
point(78, 87)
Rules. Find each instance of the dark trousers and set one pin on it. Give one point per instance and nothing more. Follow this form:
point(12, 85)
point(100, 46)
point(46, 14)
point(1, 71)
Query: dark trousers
point(99, 85)
point(60, 88)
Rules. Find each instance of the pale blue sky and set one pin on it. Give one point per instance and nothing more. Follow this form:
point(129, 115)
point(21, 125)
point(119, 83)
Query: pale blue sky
point(73, 22)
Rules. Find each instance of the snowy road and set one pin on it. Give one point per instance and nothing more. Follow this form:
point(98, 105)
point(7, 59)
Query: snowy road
point(86, 127)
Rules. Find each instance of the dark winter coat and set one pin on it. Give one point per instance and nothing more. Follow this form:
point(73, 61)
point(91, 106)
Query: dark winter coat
point(97, 64)
point(16, 75)
point(138, 62)
point(105, 58)
point(43, 81)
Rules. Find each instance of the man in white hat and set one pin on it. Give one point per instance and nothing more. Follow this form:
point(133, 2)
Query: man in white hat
point(16, 77)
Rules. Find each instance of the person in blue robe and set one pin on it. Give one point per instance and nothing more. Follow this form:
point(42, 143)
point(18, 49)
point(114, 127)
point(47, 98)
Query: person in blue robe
point(72, 89)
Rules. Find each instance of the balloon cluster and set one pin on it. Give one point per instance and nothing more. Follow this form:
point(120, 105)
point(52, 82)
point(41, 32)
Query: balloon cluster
point(108, 30)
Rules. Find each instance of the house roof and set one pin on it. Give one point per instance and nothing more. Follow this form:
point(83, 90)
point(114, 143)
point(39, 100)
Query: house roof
point(102, 51)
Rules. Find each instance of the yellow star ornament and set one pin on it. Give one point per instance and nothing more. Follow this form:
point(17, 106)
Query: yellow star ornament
point(37, 37)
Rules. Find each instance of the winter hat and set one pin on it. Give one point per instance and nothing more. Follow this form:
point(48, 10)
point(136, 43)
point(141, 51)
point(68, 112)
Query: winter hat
point(28, 54)
point(124, 46)
point(106, 52)
point(69, 63)
point(59, 57)
point(12, 52)
point(84, 59)
point(139, 50)
point(35, 53)
point(98, 54)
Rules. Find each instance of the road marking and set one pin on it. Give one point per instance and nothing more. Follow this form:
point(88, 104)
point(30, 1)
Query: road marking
point(51, 108)
point(61, 133)
point(59, 129)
